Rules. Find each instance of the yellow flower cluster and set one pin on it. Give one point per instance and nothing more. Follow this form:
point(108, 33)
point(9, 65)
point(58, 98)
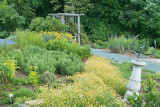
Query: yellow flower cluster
point(93, 88)
point(60, 36)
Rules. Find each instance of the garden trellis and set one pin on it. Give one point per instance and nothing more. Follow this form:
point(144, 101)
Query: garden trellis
point(66, 18)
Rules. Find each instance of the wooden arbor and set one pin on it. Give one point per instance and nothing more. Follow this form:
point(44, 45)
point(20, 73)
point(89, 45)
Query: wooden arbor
point(65, 18)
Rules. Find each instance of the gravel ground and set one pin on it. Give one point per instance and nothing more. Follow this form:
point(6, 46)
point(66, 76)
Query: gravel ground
point(151, 64)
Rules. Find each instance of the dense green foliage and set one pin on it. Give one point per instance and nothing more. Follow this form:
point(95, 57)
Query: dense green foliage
point(60, 45)
point(102, 19)
point(125, 16)
point(49, 24)
point(52, 61)
point(9, 19)
point(23, 92)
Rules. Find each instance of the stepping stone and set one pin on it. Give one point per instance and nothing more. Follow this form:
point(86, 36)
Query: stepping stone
point(22, 105)
point(34, 102)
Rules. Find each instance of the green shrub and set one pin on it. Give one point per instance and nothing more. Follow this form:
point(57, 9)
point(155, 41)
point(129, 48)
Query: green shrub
point(5, 99)
point(4, 34)
point(59, 45)
point(100, 44)
point(49, 24)
point(97, 46)
point(138, 44)
point(52, 61)
point(23, 92)
point(27, 38)
point(117, 44)
point(48, 77)
point(151, 50)
point(83, 52)
point(20, 81)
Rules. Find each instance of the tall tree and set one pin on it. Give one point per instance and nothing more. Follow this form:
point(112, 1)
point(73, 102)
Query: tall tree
point(73, 6)
point(9, 19)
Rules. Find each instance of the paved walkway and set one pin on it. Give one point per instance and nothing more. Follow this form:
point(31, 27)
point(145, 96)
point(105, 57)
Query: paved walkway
point(102, 53)
point(6, 41)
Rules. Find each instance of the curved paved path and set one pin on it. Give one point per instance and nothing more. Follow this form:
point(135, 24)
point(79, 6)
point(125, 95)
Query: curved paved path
point(102, 53)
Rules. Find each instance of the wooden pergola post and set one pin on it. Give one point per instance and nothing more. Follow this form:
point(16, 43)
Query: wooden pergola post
point(62, 19)
point(79, 40)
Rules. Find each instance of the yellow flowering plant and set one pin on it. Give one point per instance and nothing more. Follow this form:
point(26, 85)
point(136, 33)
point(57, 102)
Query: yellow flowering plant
point(7, 69)
point(88, 91)
point(33, 75)
point(107, 72)
point(96, 87)
point(55, 35)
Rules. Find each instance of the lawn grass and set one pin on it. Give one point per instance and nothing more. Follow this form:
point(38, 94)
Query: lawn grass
point(126, 69)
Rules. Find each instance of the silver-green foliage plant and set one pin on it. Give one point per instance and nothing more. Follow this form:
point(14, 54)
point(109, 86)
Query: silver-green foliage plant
point(117, 44)
point(48, 77)
point(52, 61)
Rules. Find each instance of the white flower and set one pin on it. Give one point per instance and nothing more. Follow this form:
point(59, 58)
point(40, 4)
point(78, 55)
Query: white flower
point(10, 95)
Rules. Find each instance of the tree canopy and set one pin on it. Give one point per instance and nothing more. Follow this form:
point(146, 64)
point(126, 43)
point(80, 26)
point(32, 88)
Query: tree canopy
point(102, 18)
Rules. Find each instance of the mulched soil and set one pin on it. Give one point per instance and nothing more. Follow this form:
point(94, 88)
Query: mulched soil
point(20, 73)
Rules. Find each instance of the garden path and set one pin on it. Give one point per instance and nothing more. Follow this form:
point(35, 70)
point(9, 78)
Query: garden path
point(152, 64)
point(6, 41)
